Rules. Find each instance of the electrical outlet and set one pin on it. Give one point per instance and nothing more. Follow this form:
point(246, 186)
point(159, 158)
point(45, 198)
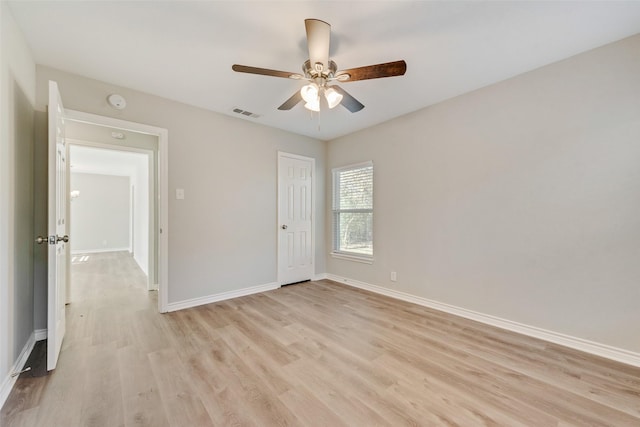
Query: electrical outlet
point(394, 276)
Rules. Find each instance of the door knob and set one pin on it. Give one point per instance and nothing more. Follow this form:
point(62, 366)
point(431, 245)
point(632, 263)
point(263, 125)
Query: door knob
point(52, 240)
point(284, 226)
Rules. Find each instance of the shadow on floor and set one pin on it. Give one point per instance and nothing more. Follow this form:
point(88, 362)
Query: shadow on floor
point(37, 361)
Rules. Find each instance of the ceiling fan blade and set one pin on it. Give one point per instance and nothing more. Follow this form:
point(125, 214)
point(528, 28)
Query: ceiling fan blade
point(266, 72)
point(388, 69)
point(348, 101)
point(318, 40)
point(291, 102)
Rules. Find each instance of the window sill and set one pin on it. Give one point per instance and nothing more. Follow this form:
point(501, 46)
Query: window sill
point(355, 258)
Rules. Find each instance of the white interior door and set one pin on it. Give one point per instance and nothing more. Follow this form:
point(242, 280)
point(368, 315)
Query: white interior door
point(295, 218)
point(57, 239)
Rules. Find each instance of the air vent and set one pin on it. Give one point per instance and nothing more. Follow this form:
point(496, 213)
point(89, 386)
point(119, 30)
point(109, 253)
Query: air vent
point(245, 113)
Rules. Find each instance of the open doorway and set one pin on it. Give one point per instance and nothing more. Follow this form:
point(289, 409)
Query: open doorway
point(110, 211)
point(114, 184)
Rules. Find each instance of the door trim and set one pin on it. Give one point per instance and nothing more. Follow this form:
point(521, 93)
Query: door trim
point(282, 154)
point(162, 228)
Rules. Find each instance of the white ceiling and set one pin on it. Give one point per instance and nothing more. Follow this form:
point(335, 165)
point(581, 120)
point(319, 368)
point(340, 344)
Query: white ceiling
point(104, 161)
point(183, 50)
point(89, 132)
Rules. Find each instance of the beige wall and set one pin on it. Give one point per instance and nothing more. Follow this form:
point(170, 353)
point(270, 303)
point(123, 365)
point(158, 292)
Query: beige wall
point(17, 99)
point(222, 236)
point(100, 216)
point(520, 200)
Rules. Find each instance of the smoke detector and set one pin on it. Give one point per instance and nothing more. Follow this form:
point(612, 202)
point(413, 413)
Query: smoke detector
point(117, 101)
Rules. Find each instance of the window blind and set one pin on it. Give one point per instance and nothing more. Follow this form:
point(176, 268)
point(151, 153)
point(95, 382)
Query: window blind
point(353, 210)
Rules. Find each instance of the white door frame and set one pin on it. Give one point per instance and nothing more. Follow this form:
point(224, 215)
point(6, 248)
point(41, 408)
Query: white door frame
point(282, 154)
point(162, 228)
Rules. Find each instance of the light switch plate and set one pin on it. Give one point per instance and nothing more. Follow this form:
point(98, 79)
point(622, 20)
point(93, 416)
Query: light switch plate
point(179, 193)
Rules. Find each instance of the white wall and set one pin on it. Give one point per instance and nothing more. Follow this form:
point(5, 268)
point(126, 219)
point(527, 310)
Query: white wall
point(17, 100)
point(520, 200)
point(101, 215)
point(222, 236)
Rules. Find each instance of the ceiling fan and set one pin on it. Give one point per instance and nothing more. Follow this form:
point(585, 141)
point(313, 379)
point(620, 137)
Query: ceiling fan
point(319, 71)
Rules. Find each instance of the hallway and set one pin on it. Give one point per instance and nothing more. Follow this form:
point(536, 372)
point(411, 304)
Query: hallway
point(110, 308)
point(99, 278)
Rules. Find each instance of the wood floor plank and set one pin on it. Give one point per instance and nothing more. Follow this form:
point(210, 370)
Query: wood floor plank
point(102, 399)
point(333, 394)
point(313, 347)
point(25, 396)
point(259, 398)
point(65, 391)
point(182, 405)
point(262, 337)
point(574, 377)
point(142, 405)
point(24, 418)
point(148, 332)
point(315, 412)
point(626, 399)
point(313, 354)
point(220, 396)
point(256, 360)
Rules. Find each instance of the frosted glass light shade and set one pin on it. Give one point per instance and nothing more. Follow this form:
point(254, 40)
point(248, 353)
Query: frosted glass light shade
point(314, 105)
point(332, 96)
point(309, 92)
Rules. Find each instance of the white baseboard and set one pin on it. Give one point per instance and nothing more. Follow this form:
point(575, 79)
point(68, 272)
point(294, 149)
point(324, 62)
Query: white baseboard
point(320, 276)
point(9, 381)
point(143, 267)
point(97, 251)
point(595, 348)
point(40, 334)
point(174, 306)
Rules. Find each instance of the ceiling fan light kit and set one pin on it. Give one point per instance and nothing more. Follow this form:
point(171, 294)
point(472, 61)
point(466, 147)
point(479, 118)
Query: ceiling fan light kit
point(319, 70)
point(313, 105)
point(309, 92)
point(311, 95)
point(332, 96)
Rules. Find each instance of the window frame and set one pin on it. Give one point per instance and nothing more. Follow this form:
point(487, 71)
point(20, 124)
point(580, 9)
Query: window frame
point(336, 252)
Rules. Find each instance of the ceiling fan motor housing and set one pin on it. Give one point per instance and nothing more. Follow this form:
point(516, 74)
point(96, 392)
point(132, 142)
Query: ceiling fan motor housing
point(311, 72)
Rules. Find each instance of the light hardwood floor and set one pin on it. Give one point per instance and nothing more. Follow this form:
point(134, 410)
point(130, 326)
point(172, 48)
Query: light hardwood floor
point(315, 354)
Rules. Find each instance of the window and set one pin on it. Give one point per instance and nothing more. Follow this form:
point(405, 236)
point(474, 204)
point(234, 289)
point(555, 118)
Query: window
point(353, 210)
